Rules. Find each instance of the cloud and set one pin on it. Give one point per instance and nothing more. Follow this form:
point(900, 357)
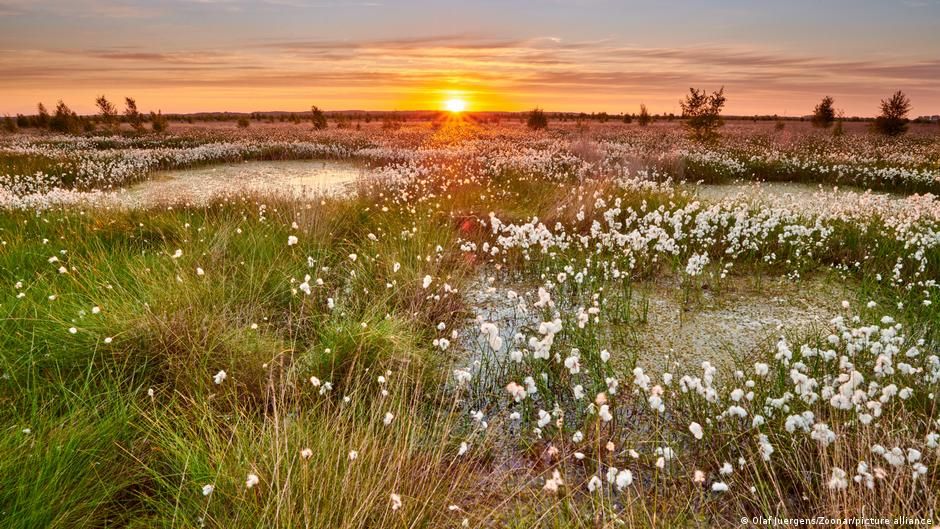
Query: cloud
point(144, 57)
point(542, 68)
point(417, 43)
point(80, 8)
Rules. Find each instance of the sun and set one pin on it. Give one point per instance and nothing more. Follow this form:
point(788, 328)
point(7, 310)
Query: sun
point(455, 105)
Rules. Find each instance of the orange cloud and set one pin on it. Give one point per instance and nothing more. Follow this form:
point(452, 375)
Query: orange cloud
point(412, 73)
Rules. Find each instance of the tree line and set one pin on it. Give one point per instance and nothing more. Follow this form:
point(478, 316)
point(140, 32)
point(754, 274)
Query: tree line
point(701, 113)
point(110, 118)
point(66, 121)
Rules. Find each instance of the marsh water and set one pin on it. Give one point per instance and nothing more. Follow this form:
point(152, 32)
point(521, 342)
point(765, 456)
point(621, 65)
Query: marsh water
point(195, 185)
point(308, 177)
point(783, 193)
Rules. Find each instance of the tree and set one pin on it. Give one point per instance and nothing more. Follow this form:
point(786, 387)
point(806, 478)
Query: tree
point(893, 119)
point(9, 124)
point(644, 118)
point(318, 118)
point(825, 113)
point(537, 119)
point(42, 117)
point(107, 112)
point(158, 122)
point(703, 113)
point(132, 114)
point(65, 120)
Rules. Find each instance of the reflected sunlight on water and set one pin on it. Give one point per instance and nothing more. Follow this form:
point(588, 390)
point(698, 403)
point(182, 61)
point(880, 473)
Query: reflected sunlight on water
point(305, 177)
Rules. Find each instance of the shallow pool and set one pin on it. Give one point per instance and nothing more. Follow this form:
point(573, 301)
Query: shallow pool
point(297, 178)
point(791, 194)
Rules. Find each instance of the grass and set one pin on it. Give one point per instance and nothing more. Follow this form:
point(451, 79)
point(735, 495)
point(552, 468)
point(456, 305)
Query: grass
point(102, 452)
point(121, 423)
point(797, 480)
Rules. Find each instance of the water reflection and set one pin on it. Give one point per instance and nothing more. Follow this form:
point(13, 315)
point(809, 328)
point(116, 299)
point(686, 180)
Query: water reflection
point(305, 177)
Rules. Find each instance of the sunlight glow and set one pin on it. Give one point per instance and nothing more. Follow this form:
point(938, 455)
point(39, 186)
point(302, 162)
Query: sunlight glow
point(455, 105)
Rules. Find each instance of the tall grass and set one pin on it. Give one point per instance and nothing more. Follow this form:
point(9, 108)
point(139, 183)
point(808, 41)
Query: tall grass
point(116, 326)
point(121, 423)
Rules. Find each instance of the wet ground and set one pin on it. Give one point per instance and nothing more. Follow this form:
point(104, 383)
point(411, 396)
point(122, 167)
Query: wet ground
point(305, 177)
point(666, 331)
point(790, 194)
point(742, 316)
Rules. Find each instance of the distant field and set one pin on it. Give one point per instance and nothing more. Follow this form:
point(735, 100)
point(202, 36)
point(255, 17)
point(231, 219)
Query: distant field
point(461, 323)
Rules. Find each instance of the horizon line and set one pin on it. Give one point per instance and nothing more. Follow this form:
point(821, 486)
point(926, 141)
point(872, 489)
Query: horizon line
point(673, 115)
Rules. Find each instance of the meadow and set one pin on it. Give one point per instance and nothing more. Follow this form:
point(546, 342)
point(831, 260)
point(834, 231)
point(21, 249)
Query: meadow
point(591, 325)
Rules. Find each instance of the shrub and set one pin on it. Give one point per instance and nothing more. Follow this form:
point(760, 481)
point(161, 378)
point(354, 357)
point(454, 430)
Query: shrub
point(825, 113)
point(243, 122)
point(703, 113)
point(644, 118)
point(107, 112)
point(132, 114)
point(893, 119)
point(158, 122)
point(537, 119)
point(318, 118)
point(9, 124)
point(42, 116)
point(65, 120)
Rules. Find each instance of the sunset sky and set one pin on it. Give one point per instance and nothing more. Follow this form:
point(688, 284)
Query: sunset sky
point(563, 55)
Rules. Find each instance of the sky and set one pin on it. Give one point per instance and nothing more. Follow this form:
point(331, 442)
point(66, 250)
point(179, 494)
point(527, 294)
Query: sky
point(772, 57)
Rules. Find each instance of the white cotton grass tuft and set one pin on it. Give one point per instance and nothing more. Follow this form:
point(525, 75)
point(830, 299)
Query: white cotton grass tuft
point(594, 484)
point(552, 484)
point(838, 480)
point(624, 479)
point(696, 430)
